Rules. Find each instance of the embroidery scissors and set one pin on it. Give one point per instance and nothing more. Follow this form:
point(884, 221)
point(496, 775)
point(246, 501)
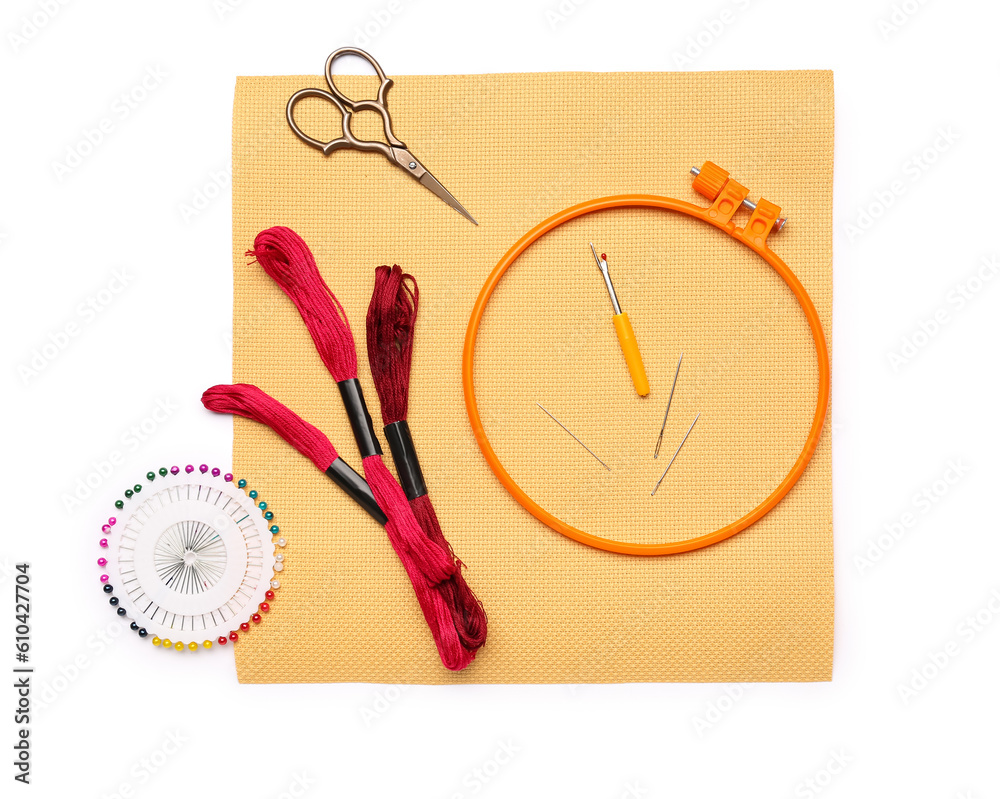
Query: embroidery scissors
point(394, 150)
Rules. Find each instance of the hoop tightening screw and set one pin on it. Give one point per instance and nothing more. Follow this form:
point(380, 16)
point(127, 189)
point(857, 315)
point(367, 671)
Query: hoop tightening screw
point(779, 223)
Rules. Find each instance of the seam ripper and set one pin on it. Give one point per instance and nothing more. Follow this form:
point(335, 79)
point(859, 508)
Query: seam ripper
point(623, 327)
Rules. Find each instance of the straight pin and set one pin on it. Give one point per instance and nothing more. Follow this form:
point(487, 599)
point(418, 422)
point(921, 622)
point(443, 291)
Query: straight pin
point(578, 441)
point(675, 455)
point(656, 452)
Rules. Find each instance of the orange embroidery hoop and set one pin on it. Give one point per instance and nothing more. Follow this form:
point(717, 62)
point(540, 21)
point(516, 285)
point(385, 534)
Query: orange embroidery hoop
point(727, 196)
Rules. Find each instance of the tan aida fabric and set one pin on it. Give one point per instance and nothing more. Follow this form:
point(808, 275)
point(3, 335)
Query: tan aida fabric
point(515, 149)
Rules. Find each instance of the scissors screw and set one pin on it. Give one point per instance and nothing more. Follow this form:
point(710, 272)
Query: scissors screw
point(413, 164)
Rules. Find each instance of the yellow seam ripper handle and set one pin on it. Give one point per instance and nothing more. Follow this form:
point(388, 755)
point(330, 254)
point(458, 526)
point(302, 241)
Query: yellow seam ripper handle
point(630, 349)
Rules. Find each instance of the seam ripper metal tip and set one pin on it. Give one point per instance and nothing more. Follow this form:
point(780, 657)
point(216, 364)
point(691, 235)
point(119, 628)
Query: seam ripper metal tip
point(623, 327)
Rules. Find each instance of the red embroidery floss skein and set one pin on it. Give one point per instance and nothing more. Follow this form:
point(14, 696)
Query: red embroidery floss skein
point(392, 316)
point(251, 402)
point(283, 254)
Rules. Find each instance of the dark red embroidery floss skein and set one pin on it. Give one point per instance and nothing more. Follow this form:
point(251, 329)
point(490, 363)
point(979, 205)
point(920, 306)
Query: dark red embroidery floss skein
point(392, 316)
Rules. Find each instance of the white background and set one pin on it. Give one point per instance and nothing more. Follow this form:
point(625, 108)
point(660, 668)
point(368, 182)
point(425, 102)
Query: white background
point(110, 709)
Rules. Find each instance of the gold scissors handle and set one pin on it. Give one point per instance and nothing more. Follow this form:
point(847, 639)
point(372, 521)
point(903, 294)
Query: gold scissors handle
point(347, 108)
point(377, 105)
point(326, 147)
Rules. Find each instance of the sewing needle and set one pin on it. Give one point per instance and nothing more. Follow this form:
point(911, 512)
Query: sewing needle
point(578, 441)
point(675, 455)
point(663, 427)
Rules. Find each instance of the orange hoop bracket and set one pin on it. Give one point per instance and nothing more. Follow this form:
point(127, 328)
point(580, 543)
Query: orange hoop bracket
point(726, 201)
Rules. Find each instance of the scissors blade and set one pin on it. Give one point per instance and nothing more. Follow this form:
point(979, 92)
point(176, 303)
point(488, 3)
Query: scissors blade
point(429, 181)
point(406, 161)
